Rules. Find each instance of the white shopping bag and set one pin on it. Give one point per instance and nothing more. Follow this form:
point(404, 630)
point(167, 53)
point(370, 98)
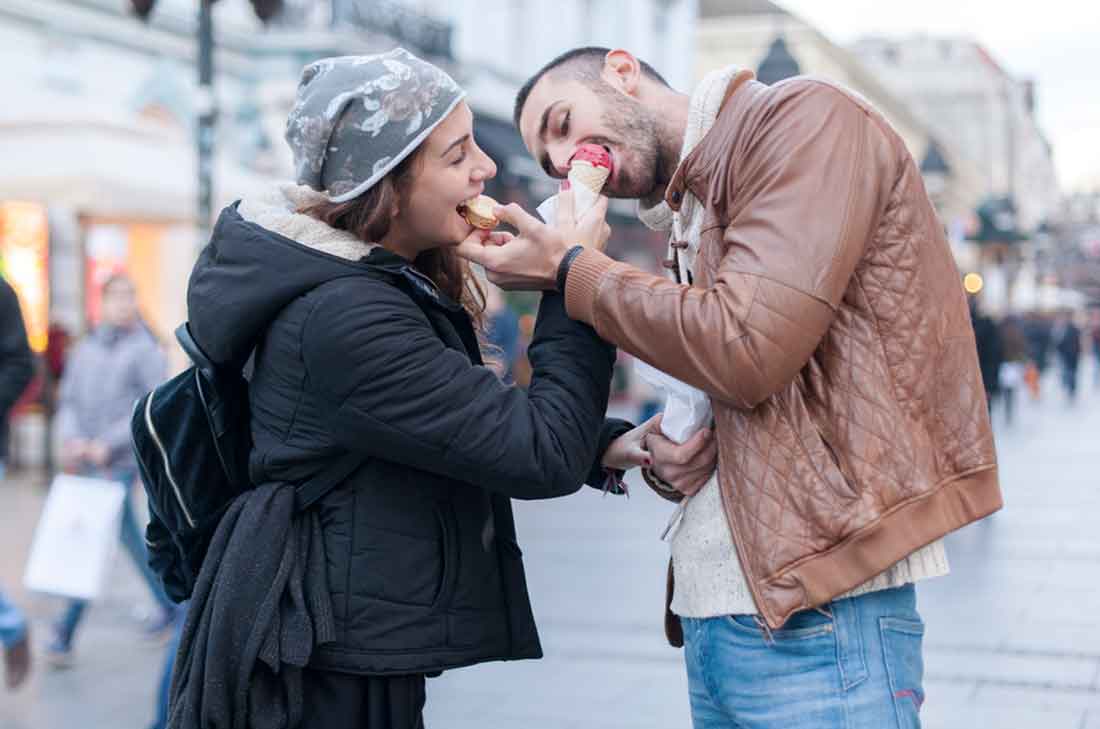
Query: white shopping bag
point(76, 537)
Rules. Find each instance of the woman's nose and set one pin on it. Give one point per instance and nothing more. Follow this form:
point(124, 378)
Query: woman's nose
point(485, 169)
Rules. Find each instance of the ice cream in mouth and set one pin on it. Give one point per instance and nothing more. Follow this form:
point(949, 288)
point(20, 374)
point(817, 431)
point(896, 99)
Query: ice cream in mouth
point(595, 155)
point(590, 166)
point(478, 212)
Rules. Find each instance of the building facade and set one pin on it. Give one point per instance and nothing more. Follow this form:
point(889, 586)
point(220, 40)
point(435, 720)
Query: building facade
point(761, 36)
point(961, 91)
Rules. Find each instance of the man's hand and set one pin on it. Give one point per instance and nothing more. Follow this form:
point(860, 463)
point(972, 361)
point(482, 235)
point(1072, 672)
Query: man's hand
point(530, 260)
point(685, 466)
point(628, 450)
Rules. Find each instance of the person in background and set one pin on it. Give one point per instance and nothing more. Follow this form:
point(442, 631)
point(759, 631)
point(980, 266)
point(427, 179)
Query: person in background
point(990, 351)
point(1015, 351)
point(16, 369)
point(1067, 343)
point(106, 373)
point(1037, 328)
point(502, 332)
point(1094, 337)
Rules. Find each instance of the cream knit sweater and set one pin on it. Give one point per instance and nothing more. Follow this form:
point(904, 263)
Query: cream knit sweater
point(709, 580)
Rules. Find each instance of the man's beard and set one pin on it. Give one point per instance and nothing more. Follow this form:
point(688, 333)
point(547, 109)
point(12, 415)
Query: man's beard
point(633, 129)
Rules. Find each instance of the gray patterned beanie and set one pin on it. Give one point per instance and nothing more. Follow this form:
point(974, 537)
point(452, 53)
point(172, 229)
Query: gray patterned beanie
point(356, 117)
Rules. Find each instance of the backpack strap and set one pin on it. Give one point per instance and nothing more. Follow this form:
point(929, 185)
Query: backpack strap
point(313, 490)
point(192, 349)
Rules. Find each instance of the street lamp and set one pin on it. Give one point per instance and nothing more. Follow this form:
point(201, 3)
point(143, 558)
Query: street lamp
point(207, 106)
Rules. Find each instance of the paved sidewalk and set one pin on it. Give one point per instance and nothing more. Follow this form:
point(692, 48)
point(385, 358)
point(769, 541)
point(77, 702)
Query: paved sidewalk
point(1013, 635)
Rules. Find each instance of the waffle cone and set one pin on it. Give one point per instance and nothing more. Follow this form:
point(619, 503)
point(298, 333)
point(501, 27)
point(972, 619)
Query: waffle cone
point(592, 177)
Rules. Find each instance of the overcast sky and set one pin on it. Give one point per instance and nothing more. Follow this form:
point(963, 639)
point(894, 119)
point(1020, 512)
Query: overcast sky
point(1056, 42)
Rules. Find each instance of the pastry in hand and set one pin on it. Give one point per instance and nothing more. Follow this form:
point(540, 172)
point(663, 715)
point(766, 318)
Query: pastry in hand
point(478, 212)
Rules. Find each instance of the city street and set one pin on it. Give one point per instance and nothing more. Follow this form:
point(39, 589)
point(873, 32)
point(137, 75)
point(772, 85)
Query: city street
point(1013, 637)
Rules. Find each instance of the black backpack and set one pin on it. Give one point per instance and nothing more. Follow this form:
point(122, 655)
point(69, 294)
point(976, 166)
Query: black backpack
point(192, 438)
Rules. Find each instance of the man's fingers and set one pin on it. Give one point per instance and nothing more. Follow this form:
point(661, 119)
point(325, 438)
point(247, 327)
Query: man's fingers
point(693, 446)
point(565, 207)
point(598, 210)
point(516, 216)
point(477, 252)
point(668, 452)
point(499, 238)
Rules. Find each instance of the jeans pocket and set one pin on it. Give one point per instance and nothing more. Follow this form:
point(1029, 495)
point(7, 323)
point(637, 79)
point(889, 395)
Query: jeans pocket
point(801, 626)
point(902, 641)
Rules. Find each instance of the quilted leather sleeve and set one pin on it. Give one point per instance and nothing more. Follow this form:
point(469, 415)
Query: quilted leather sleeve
point(814, 176)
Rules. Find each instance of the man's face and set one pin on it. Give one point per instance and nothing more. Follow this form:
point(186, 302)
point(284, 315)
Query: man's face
point(562, 113)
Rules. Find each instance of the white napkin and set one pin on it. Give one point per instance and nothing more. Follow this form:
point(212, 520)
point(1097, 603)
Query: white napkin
point(583, 199)
point(687, 409)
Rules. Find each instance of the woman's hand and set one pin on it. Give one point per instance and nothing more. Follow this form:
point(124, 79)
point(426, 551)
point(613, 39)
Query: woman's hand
point(628, 450)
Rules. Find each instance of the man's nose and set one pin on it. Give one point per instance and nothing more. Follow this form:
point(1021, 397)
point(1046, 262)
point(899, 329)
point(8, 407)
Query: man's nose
point(560, 155)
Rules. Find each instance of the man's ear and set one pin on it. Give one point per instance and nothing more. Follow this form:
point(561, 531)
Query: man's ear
point(622, 71)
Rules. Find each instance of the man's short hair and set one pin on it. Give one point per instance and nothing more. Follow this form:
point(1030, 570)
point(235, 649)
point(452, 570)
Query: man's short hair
point(584, 64)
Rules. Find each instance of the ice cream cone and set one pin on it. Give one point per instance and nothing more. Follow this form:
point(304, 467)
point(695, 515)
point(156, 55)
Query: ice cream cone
point(589, 175)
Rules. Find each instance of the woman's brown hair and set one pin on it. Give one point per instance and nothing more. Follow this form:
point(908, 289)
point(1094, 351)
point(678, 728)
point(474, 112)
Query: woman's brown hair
point(367, 217)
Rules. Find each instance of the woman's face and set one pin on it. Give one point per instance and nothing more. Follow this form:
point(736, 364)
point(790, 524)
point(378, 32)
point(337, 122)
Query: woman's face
point(451, 169)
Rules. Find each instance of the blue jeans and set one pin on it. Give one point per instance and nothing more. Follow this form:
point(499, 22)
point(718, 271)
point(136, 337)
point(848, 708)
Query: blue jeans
point(134, 544)
point(13, 624)
point(859, 667)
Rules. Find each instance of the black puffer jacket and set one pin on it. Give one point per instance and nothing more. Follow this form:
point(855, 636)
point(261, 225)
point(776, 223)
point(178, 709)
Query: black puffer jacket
point(423, 565)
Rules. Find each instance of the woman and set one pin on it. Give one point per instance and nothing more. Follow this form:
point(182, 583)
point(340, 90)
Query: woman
point(364, 325)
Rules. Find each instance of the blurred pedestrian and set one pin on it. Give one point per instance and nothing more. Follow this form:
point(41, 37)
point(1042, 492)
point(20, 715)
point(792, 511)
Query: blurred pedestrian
point(814, 300)
point(15, 641)
point(1094, 339)
point(114, 365)
point(16, 370)
point(987, 338)
point(1067, 343)
point(502, 332)
point(1037, 327)
point(1016, 359)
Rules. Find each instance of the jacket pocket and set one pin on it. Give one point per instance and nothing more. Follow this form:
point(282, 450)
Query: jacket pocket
point(448, 555)
point(901, 648)
point(837, 477)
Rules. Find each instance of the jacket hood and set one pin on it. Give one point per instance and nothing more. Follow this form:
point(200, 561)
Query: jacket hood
point(262, 255)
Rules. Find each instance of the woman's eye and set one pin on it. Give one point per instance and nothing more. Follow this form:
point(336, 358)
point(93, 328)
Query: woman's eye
point(565, 124)
point(460, 160)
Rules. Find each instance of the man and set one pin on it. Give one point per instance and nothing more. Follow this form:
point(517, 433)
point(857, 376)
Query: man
point(16, 368)
point(106, 373)
point(987, 338)
point(1067, 342)
point(818, 305)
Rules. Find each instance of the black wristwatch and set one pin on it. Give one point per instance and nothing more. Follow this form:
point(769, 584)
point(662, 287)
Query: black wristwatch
point(563, 267)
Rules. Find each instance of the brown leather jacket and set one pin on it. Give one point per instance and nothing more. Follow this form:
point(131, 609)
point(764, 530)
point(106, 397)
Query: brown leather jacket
point(828, 323)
